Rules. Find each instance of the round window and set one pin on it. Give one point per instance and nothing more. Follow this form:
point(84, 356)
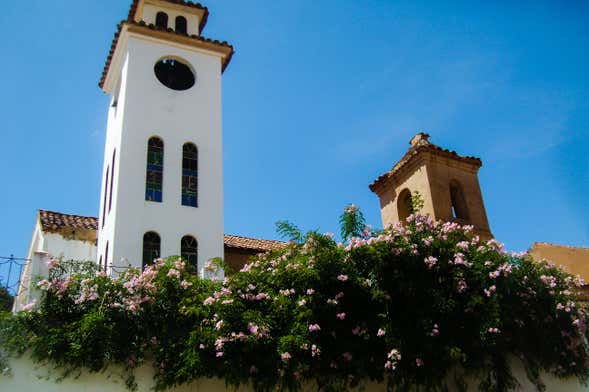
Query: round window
point(174, 74)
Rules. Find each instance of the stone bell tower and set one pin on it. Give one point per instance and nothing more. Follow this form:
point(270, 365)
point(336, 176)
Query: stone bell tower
point(447, 182)
point(162, 185)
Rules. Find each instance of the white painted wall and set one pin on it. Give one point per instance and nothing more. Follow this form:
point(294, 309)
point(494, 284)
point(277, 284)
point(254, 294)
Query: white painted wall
point(150, 11)
point(30, 377)
point(146, 109)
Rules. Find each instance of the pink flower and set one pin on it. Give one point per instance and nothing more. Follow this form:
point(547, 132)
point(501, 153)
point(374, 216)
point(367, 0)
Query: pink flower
point(30, 306)
point(381, 332)
point(341, 316)
point(339, 296)
point(419, 362)
point(435, 331)
point(185, 284)
point(220, 354)
point(356, 331)
point(209, 301)
point(310, 291)
point(315, 351)
point(342, 278)
point(430, 261)
point(347, 356)
point(314, 328)
point(285, 356)
point(173, 273)
point(462, 286)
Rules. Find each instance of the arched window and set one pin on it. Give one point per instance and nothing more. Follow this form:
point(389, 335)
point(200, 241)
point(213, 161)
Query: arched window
point(112, 176)
point(181, 25)
point(189, 251)
point(161, 20)
point(105, 195)
point(151, 247)
point(459, 208)
point(155, 170)
point(404, 205)
point(189, 175)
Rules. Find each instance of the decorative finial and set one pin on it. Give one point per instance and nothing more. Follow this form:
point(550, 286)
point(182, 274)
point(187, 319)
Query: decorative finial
point(421, 136)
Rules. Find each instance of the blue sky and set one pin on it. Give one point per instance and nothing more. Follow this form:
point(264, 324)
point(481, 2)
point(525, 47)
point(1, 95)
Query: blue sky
point(320, 99)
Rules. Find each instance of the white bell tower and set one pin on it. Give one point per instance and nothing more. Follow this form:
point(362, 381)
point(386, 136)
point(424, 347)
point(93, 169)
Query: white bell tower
point(162, 185)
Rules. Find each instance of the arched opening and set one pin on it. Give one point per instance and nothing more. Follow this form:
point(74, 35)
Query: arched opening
point(112, 176)
point(106, 181)
point(151, 247)
point(174, 74)
point(155, 170)
point(181, 25)
point(189, 252)
point(404, 207)
point(189, 175)
point(459, 208)
point(161, 20)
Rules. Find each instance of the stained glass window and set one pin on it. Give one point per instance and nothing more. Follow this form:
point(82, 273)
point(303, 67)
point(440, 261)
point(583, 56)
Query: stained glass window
point(190, 175)
point(151, 247)
point(155, 170)
point(189, 252)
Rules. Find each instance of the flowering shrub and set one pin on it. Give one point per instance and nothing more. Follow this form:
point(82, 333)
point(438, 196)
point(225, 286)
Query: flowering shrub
point(408, 306)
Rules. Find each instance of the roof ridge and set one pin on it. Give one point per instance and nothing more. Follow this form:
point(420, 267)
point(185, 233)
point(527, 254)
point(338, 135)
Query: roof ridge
point(254, 238)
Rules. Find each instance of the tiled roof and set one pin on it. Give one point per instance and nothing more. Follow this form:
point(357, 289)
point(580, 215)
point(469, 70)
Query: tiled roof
point(172, 33)
point(52, 221)
point(203, 21)
point(233, 241)
point(420, 143)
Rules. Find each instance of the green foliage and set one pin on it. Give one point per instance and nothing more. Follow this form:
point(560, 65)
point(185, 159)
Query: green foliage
point(352, 222)
point(417, 202)
point(408, 307)
point(6, 300)
point(289, 231)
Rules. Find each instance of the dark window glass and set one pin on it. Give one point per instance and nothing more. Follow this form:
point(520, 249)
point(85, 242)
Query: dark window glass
point(112, 176)
point(105, 195)
point(151, 247)
point(106, 256)
point(155, 170)
point(181, 25)
point(189, 252)
point(174, 74)
point(459, 207)
point(161, 20)
point(190, 175)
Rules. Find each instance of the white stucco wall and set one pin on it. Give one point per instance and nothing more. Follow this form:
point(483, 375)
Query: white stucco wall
point(146, 108)
point(29, 377)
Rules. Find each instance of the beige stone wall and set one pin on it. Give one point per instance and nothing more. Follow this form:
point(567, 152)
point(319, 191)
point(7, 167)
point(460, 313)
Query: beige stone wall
point(442, 171)
point(414, 178)
point(573, 260)
point(237, 258)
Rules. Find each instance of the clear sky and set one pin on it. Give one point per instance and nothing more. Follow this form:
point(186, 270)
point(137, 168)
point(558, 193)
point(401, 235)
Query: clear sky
point(320, 99)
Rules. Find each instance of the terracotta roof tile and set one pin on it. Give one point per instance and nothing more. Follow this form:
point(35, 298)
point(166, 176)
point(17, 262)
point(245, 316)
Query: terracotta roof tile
point(233, 241)
point(422, 144)
point(172, 33)
point(52, 221)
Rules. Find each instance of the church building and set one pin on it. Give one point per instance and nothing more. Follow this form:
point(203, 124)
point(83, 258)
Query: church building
point(162, 182)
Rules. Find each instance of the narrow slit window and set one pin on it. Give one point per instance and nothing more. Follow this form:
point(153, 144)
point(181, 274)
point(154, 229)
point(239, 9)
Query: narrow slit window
point(190, 175)
point(105, 195)
point(189, 252)
point(155, 170)
point(112, 176)
point(106, 256)
point(181, 25)
point(459, 207)
point(161, 20)
point(151, 247)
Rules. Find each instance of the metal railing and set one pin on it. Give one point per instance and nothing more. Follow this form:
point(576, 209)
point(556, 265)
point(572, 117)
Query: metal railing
point(10, 272)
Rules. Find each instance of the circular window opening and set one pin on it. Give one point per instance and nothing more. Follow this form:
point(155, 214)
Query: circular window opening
point(174, 74)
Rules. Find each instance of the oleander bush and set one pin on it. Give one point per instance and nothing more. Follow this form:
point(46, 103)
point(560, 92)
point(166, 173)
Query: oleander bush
point(416, 305)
